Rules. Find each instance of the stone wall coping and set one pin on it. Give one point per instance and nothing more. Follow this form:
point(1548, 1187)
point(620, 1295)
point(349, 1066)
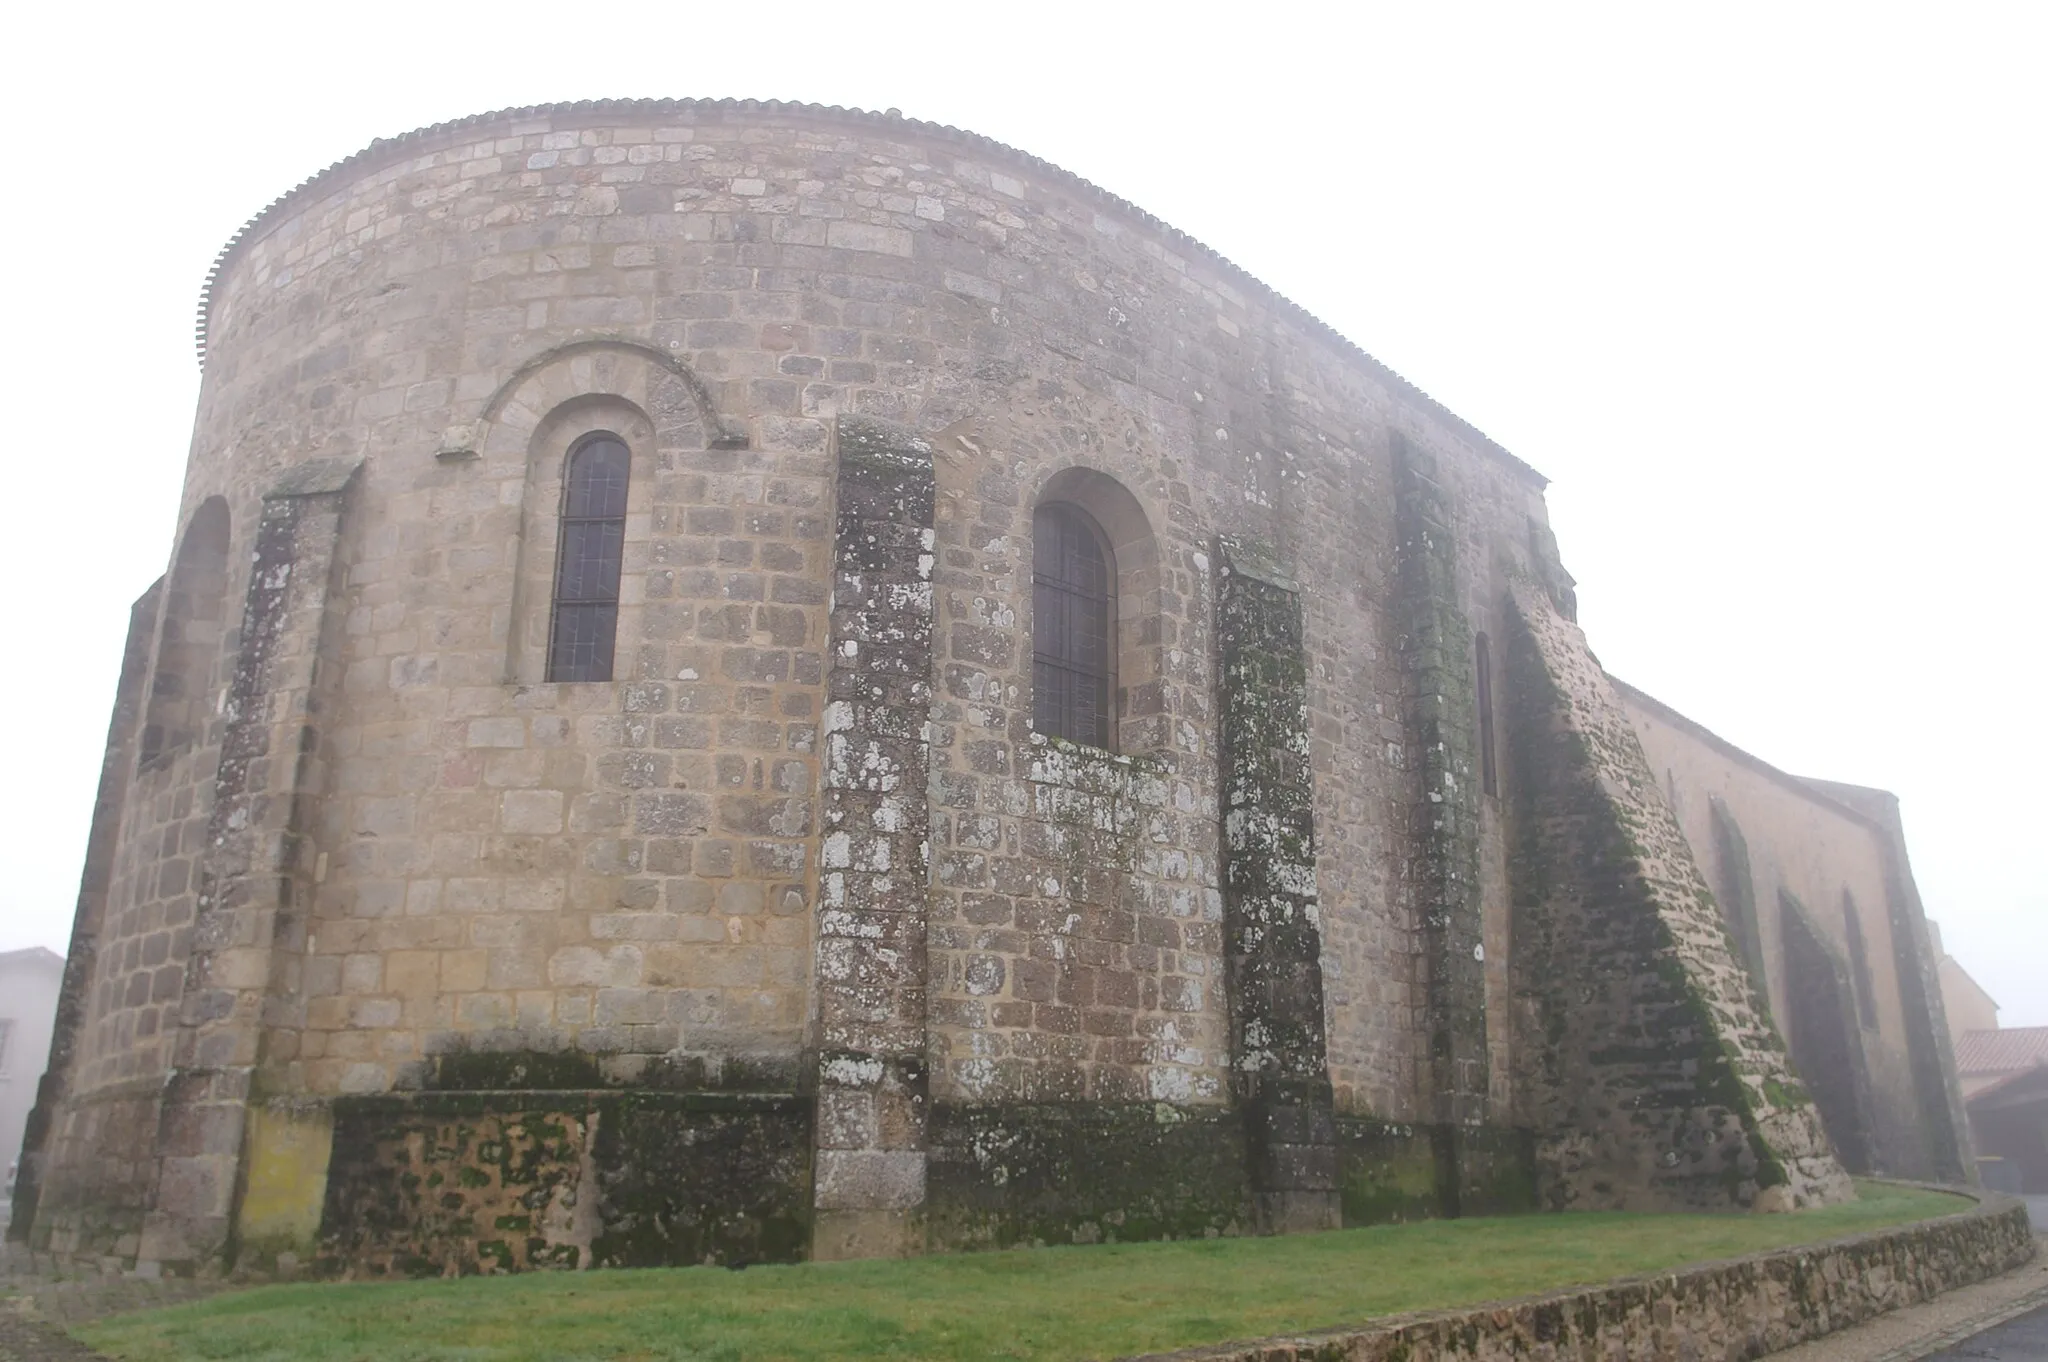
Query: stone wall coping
point(315, 477)
point(387, 150)
point(1509, 1328)
point(1256, 560)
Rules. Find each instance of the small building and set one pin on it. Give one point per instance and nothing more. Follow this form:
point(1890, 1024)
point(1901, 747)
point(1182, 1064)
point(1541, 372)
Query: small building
point(29, 983)
point(2004, 1076)
point(1987, 1058)
point(2009, 1120)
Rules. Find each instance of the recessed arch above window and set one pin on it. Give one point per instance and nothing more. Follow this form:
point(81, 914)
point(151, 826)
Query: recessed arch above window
point(194, 629)
point(1859, 963)
point(1073, 627)
point(1489, 768)
point(590, 553)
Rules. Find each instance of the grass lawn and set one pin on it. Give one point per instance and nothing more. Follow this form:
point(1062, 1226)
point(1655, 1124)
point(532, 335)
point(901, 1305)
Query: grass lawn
point(1064, 1303)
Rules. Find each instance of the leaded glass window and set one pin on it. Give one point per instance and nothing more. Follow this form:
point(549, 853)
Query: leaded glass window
point(1073, 585)
point(585, 628)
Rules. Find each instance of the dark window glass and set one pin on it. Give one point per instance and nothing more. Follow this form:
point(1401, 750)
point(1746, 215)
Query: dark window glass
point(592, 548)
point(1072, 585)
point(1489, 777)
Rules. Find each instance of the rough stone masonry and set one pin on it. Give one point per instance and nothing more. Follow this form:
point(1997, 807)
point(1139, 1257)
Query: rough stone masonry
point(815, 930)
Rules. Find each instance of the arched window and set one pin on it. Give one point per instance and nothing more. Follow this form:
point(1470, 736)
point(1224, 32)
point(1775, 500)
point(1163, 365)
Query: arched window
point(1073, 627)
point(195, 621)
point(1859, 963)
point(585, 627)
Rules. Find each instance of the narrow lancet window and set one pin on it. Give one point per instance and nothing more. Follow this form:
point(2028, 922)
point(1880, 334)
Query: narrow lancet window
point(585, 628)
point(1073, 592)
point(195, 620)
point(1489, 777)
point(1859, 964)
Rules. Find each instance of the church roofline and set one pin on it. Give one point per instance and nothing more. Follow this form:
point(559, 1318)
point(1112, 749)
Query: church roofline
point(1809, 790)
point(385, 149)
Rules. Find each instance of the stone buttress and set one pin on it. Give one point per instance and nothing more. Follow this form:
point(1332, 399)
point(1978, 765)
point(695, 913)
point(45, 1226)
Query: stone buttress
point(400, 951)
point(874, 863)
point(1437, 653)
point(1821, 1026)
point(1945, 1124)
point(1273, 951)
point(1652, 1075)
point(240, 984)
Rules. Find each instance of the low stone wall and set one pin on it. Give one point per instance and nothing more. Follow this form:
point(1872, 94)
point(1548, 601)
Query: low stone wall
point(1743, 1308)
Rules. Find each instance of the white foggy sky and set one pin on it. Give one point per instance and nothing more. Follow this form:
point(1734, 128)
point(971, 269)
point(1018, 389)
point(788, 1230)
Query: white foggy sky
point(1760, 287)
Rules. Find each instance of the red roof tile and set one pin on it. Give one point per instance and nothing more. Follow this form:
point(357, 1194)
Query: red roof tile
point(1997, 1052)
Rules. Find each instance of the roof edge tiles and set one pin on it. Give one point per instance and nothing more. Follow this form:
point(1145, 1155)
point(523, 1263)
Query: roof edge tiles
point(2007, 1048)
point(385, 149)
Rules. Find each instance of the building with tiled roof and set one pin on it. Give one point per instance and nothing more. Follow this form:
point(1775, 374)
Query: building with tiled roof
point(1985, 1058)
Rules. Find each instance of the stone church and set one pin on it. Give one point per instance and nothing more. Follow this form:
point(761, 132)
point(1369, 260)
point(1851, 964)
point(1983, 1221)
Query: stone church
point(753, 681)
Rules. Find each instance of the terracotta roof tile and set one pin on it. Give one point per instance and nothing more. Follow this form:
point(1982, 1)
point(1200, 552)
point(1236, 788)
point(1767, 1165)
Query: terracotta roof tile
point(1996, 1052)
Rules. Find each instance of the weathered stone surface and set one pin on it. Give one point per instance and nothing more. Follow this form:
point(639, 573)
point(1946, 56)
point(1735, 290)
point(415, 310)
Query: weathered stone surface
point(447, 1182)
point(1822, 1032)
point(1764, 835)
point(875, 859)
point(242, 986)
point(1008, 1174)
point(1273, 939)
point(1438, 655)
point(352, 843)
point(1659, 1079)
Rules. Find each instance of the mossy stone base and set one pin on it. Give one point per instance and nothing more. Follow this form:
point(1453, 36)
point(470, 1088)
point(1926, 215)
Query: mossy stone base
point(424, 1184)
point(1392, 1172)
point(1084, 1173)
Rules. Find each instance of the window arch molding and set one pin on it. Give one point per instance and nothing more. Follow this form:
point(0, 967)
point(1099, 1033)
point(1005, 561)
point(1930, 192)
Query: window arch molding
point(567, 430)
point(1137, 701)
